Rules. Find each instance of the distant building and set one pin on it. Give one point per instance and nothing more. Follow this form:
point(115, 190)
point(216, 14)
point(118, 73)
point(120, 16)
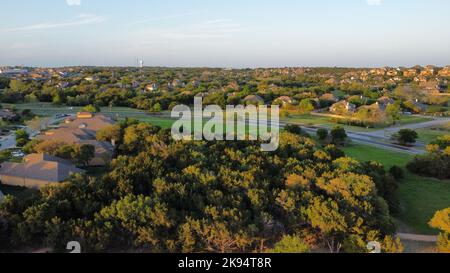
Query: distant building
point(253, 100)
point(433, 86)
point(428, 71)
point(63, 84)
point(445, 72)
point(195, 83)
point(378, 71)
point(232, 86)
point(13, 72)
point(7, 115)
point(178, 83)
point(329, 97)
point(151, 87)
point(384, 102)
point(37, 171)
point(284, 100)
point(343, 107)
point(409, 73)
point(392, 73)
point(331, 81)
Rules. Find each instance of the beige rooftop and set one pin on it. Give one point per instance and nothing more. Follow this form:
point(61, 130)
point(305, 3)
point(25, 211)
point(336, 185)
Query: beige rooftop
point(39, 167)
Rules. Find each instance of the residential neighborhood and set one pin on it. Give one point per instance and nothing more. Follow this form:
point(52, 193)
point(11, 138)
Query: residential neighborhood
point(225, 134)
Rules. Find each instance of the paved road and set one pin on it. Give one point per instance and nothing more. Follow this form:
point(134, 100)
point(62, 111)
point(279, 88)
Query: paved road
point(369, 140)
point(363, 138)
point(8, 141)
point(380, 138)
point(388, 132)
point(418, 238)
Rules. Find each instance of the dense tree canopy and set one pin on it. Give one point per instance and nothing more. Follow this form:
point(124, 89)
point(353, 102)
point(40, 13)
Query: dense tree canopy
point(167, 196)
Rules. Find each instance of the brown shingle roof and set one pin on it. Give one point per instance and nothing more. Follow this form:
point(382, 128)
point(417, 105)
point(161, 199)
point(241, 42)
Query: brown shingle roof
point(83, 131)
point(40, 167)
point(68, 135)
point(95, 123)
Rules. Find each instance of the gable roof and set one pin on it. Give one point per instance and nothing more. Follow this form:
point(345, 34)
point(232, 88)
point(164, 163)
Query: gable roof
point(95, 123)
point(68, 135)
point(40, 167)
point(253, 98)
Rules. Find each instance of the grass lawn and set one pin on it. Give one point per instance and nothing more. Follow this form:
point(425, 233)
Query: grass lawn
point(48, 109)
point(322, 121)
point(313, 120)
point(412, 119)
point(420, 197)
point(161, 122)
point(429, 135)
point(167, 123)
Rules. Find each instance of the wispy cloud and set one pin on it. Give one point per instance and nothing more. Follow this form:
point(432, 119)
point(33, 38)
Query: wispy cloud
point(374, 2)
point(207, 29)
point(73, 2)
point(82, 19)
point(164, 18)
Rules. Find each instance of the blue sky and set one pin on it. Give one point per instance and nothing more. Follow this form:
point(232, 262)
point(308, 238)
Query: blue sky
point(231, 33)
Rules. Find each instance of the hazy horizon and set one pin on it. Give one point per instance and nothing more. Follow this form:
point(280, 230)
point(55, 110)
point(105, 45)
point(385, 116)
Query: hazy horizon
point(214, 67)
point(237, 34)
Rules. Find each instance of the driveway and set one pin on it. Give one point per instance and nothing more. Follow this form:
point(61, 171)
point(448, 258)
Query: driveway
point(8, 141)
point(418, 238)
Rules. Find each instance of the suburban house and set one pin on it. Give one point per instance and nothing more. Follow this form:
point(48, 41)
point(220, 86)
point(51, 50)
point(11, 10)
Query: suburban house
point(343, 107)
point(433, 86)
point(13, 72)
point(411, 72)
point(38, 170)
point(445, 72)
point(331, 81)
point(329, 97)
point(83, 131)
point(378, 71)
point(392, 73)
point(152, 87)
point(178, 83)
point(285, 100)
point(429, 71)
point(6, 114)
point(253, 100)
point(384, 102)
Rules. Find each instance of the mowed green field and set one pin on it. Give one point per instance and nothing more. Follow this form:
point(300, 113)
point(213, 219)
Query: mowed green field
point(49, 109)
point(420, 197)
point(324, 121)
point(429, 135)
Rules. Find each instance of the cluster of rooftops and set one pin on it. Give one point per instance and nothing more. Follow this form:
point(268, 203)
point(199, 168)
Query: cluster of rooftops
point(39, 170)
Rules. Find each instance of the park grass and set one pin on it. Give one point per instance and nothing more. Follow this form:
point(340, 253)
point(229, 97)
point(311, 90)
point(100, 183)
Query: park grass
point(164, 123)
point(412, 119)
point(429, 135)
point(327, 122)
point(46, 109)
point(420, 197)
